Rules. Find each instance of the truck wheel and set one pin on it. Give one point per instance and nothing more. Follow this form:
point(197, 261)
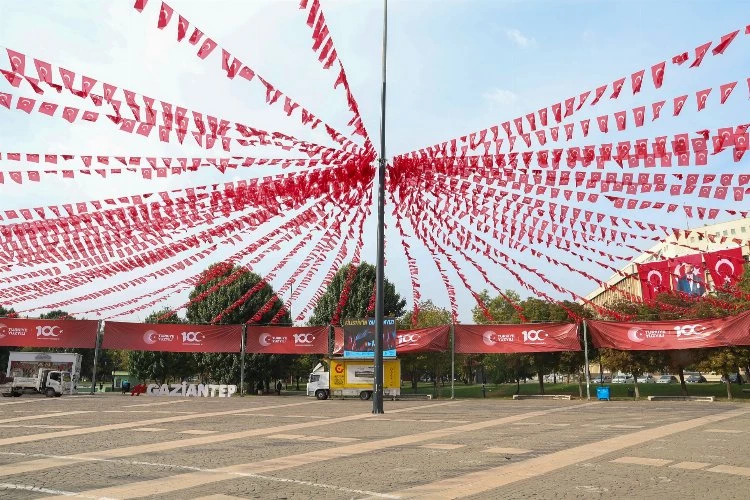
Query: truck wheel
point(58, 395)
point(321, 394)
point(16, 394)
point(365, 395)
point(50, 393)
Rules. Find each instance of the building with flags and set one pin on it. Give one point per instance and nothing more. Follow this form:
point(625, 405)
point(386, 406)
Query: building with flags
point(691, 261)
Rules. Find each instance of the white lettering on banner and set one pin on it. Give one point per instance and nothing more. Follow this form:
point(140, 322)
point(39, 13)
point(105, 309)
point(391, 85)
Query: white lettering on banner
point(48, 331)
point(532, 336)
point(266, 339)
point(192, 337)
point(492, 338)
point(185, 390)
point(408, 338)
point(10, 331)
point(304, 339)
point(692, 331)
point(152, 337)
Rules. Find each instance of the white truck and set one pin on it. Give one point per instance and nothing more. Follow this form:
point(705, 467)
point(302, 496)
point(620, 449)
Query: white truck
point(25, 364)
point(353, 377)
point(51, 383)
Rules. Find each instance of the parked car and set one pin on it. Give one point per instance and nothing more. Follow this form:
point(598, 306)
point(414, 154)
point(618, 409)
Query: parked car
point(695, 378)
point(622, 379)
point(646, 379)
point(667, 379)
point(734, 378)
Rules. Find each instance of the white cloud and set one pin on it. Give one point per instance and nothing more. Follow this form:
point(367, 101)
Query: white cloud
point(519, 38)
point(501, 96)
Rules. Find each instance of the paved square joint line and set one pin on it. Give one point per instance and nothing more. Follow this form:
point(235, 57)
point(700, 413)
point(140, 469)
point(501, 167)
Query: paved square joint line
point(285, 436)
point(442, 446)
point(724, 431)
point(197, 432)
point(690, 465)
point(149, 429)
point(507, 451)
point(730, 469)
point(642, 461)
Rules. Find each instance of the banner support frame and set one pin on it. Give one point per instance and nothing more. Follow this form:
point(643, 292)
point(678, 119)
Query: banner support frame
point(586, 361)
point(242, 359)
point(453, 361)
point(99, 335)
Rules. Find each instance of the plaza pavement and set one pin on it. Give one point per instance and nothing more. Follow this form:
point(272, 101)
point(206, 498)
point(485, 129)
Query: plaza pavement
point(292, 447)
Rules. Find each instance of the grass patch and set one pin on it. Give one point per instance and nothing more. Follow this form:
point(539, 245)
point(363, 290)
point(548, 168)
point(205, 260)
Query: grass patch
point(617, 391)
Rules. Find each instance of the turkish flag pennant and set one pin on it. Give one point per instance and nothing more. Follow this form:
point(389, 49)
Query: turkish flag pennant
point(657, 74)
point(17, 61)
point(207, 47)
point(541, 137)
point(656, 109)
point(90, 116)
point(195, 37)
point(585, 127)
point(739, 193)
point(44, 70)
point(726, 90)
point(679, 102)
point(724, 43)
point(543, 113)
point(531, 118)
point(140, 5)
point(639, 114)
point(182, 27)
point(636, 80)
point(70, 114)
point(598, 94)
point(518, 122)
point(700, 53)
point(602, 121)
point(12, 78)
point(16, 177)
point(554, 132)
point(569, 131)
point(33, 175)
point(126, 126)
point(701, 97)
point(556, 110)
point(164, 15)
point(25, 104)
point(67, 77)
point(5, 100)
point(617, 88)
point(569, 106)
point(680, 58)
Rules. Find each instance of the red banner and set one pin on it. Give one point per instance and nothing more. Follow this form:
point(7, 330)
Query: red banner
point(172, 337)
point(287, 340)
point(726, 266)
point(672, 334)
point(529, 337)
point(434, 339)
point(688, 275)
point(655, 279)
point(48, 333)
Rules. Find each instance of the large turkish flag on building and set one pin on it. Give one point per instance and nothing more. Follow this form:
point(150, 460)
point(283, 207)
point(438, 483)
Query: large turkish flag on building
point(172, 337)
point(529, 337)
point(655, 279)
point(287, 339)
point(726, 266)
point(48, 332)
point(672, 334)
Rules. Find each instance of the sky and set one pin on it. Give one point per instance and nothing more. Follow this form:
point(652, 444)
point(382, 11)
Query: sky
point(454, 67)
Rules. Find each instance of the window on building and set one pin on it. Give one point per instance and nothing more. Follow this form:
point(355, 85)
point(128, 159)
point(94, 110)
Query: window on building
point(742, 229)
point(733, 231)
point(725, 232)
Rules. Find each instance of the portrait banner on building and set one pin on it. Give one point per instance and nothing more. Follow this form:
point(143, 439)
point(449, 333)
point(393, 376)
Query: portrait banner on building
point(672, 334)
point(287, 339)
point(528, 337)
point(688, 275)
point(655, 279)
point(725, 266)
point(172, 337)
point(48, 332)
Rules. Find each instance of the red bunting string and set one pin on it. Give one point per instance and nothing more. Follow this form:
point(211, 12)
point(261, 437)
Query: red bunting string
point(473, 140)
point(323, 44)
point(236, 67)
point(411, 262)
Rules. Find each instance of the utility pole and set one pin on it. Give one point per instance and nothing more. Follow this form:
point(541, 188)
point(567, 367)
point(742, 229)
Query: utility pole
point(377, 399)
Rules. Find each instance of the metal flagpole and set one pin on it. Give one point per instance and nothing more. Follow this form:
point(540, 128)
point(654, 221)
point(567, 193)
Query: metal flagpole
point(242, 360)
point(453, 361)
point(586, 358)
point(377, 400)
point(99, 332)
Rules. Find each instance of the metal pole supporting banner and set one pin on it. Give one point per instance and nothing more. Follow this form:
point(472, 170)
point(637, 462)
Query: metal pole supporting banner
point(453, 361)
point(99, 334)
point(377, 399)
point(242, 360)
point(586, 361)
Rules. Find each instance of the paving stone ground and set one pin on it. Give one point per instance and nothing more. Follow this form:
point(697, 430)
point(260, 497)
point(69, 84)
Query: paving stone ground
point(292, 447)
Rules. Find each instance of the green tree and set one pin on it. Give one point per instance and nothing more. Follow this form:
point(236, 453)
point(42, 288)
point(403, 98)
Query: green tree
point(161, 366)
point(225, 367)
point(435, 364)
point(359, 297)
point(635, 363)
point(726, 360)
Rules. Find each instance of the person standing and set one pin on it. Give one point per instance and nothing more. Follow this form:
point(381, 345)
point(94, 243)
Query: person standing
point(278, 387)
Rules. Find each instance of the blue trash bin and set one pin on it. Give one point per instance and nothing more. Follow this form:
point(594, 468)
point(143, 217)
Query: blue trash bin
point(602, 393)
